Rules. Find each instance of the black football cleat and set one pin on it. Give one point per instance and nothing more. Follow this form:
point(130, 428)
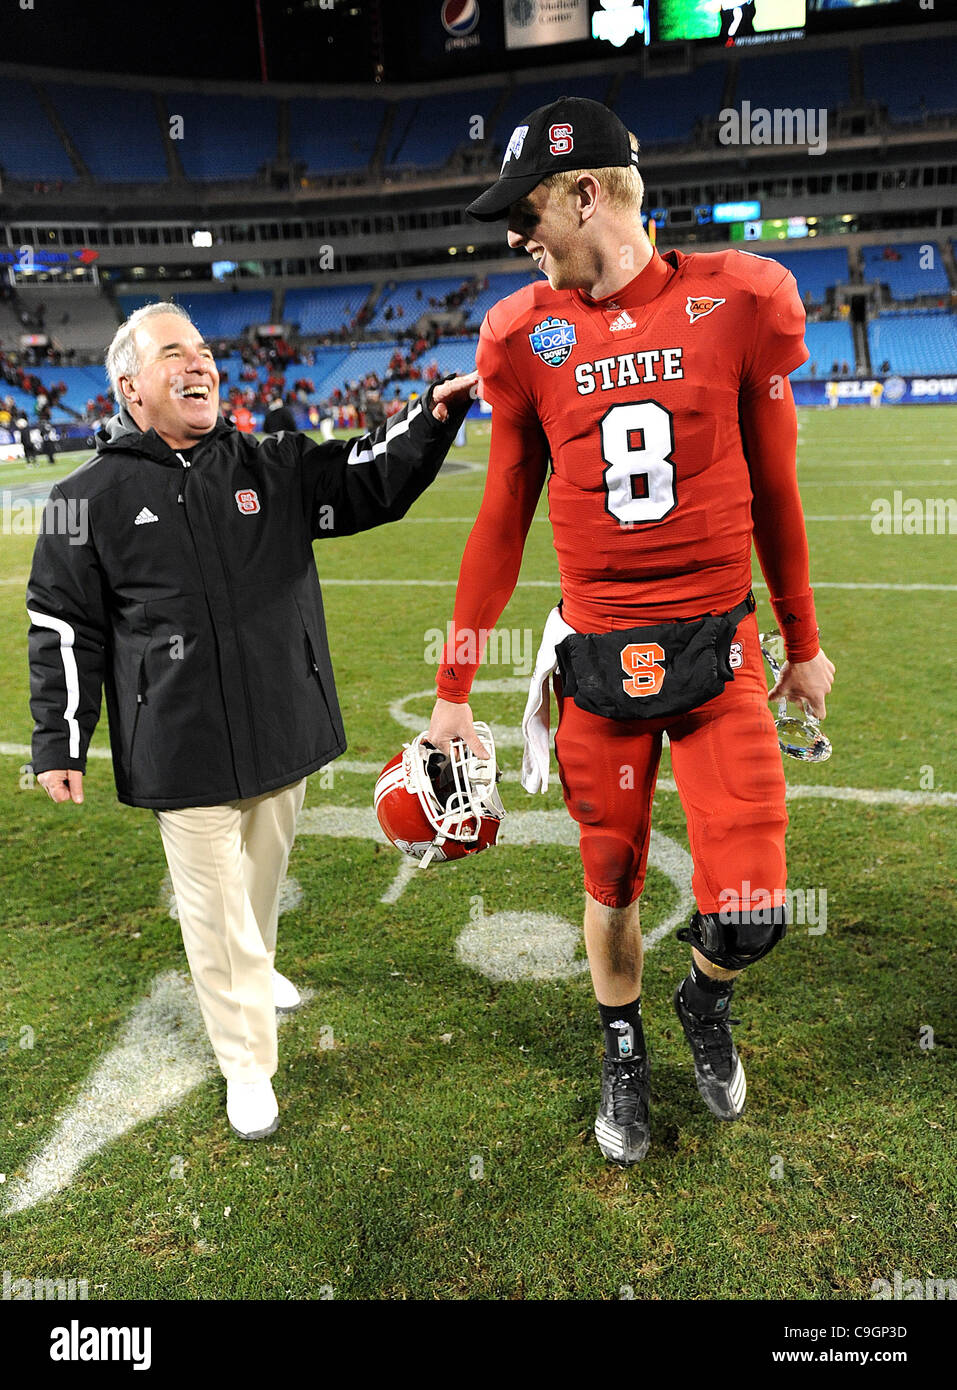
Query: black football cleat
point(622, 1126)
point(717, 1067)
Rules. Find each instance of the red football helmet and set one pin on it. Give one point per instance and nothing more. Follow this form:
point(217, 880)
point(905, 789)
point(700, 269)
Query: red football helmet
point(433, 806)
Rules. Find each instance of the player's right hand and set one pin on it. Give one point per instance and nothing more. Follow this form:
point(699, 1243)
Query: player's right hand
point(449, 721)
point(63, 784)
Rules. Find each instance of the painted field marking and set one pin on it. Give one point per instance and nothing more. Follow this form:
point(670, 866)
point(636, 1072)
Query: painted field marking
point(162, 1055)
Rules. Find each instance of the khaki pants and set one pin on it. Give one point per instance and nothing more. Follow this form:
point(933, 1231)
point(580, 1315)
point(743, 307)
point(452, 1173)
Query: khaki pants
point(227, 865)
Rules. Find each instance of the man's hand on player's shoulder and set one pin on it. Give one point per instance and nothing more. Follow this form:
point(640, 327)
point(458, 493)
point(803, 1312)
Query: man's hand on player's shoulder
point(452, 393)
point(806, 682)
point(449, 721)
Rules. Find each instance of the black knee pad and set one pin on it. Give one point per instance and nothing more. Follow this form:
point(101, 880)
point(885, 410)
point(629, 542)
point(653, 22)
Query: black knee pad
point(735, 940)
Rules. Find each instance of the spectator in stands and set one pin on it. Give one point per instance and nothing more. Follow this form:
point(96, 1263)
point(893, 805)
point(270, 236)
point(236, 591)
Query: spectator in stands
point(279, 417)
point(845, 369)
point(885, 366)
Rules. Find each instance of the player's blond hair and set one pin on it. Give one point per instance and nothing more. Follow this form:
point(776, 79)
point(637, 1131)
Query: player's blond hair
point(621, 184)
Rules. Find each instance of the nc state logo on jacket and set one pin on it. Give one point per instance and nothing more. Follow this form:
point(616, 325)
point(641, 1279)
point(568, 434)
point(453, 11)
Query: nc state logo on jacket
point(247, 500)
point(698, 306)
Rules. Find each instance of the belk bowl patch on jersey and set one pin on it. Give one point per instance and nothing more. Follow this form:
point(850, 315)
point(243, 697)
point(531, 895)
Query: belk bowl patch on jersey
point(552, 340)
point(700, 305)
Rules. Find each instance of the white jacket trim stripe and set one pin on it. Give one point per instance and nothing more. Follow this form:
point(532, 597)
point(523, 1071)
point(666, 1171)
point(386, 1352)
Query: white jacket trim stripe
point(67, 638)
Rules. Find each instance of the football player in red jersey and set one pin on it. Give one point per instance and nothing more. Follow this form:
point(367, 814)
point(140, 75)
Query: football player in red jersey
point(657, 388)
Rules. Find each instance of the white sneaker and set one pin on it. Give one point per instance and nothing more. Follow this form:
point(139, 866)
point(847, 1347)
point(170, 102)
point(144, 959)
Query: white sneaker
point(285, 995)
point(252, 1108)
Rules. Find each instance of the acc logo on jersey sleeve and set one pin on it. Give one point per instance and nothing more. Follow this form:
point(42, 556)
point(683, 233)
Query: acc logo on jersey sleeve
point(552, 340)
point(698, 306)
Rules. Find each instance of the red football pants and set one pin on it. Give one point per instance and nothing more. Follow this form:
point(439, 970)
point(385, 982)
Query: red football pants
point(727, 768)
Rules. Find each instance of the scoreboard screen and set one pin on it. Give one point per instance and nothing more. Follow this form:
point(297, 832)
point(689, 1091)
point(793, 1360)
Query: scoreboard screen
point(728, 21)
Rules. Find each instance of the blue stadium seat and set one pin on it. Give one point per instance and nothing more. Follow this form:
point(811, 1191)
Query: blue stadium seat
point(795, 80)
point(914, 268)
point(827, 343)
point(412, 297)
point(534, 94)
point(325, 308)
point(224, 137)
point(815, 271)
point(922, 343)
point(115, 131)
point(30, 148)
point(227, 315)
point(426, 130)
point(911, 78)
point(334, 136)
point(663, 109)
point(499, 287)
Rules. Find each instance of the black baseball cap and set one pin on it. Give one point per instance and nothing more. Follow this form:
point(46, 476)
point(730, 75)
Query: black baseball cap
point(570, 133)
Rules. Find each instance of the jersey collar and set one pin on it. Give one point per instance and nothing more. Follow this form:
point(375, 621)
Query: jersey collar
point(645, 287)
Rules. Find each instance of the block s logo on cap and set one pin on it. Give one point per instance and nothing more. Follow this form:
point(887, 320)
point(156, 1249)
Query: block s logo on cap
point(516, 141)
point(561, 138)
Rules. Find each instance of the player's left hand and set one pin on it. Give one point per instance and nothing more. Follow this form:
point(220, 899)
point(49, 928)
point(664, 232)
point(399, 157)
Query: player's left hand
point(455, 392)
point(806, 683)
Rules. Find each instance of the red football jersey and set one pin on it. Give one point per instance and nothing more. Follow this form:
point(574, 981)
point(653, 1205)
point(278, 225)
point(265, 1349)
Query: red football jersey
point(649, 493)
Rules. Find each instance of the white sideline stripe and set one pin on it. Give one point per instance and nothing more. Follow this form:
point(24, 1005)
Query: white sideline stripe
point(544, 520)
point(162, 1054)
point(553, 584)
point(67, 638)
point(871, 796)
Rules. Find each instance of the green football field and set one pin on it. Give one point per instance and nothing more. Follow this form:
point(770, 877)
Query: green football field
point(438, 1089)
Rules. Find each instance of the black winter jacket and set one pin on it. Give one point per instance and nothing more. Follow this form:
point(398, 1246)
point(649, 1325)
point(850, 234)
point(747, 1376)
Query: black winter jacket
point(190, 593)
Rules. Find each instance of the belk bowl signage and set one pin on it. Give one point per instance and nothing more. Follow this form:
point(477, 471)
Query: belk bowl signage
point(898, 390)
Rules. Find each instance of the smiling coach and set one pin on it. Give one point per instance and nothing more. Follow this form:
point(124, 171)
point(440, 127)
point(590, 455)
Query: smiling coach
point(190, 593)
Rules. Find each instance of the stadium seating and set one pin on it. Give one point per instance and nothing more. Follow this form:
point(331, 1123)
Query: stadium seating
point(921, 343)
point(115, 131)
point(911, 79)
point(663, 110)
point(412, 297)
point(224, 137)
point(334, 137)
point(795, 80)
point(325, 309)
point(30, 148)
point(426, 130)
point(226, 314)
point(499, 287)
point(533, 94)
point(815, 271)
point(911, 271)
point(827, 343)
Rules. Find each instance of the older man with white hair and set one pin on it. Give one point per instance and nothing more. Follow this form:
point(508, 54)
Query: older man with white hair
point(190, 594)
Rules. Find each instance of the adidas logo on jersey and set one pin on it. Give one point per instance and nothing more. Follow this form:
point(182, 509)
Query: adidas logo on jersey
point(623, 321)
point(144, 517)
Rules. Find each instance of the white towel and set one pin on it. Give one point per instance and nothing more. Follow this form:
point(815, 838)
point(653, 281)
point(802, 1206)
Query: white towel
point(535, 720)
